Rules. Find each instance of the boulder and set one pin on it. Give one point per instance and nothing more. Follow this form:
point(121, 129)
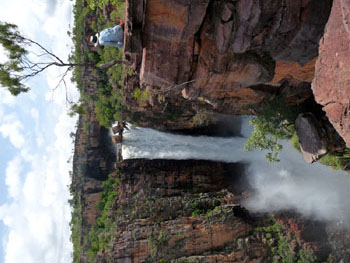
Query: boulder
point(331, 85)
point(312, 138)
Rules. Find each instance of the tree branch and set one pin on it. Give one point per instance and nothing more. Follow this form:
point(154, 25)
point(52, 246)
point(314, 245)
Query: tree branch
point(43, 48)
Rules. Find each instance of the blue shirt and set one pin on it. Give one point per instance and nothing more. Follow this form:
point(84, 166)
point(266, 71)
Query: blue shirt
point(113, 36)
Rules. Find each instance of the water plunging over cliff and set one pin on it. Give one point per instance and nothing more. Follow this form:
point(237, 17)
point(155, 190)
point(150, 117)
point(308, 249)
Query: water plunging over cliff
point(312, 189)
point(152, 144)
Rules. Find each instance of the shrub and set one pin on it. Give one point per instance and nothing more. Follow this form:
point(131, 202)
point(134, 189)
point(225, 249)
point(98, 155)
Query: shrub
point(141, 95)
point(334, 161)
point(274, 123)
point(119, 13)
point(295, 141)
point(109, 108)
point(280, 249)
point(100, 234)
point(102, 4)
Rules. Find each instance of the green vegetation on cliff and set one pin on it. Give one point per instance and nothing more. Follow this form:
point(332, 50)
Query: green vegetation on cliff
point(76, 224)
point(100, 93)
point(337, 160)
point(99, 85)
point(280, 245)
point(102, 4)
point(101, 233)
point(274, 123)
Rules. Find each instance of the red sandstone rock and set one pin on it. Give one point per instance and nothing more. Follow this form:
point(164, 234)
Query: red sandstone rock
point(294, 70)
point(287, 30)
point(215, 53)
point(169, 32)
point(331, 85)
point(154, 219)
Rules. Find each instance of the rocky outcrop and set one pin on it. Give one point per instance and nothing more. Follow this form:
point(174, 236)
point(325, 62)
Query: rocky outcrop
point(189, 211)
point(176, 211)
point(175, 32)
point(331, 85)
point(204, 56)
point(313, 233)
point(168, 40)
point(312, 137)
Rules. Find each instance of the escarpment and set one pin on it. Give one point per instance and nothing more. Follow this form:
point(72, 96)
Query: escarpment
point(189, 211)
point(196, 58)
point(186, 63)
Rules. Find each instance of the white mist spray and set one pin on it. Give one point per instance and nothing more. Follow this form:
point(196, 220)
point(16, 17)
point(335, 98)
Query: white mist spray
point(314, 190)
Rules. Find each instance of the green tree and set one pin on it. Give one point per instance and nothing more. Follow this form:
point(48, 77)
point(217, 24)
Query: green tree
point(102, 4)
point(76, 108)
point(27, 58)
point(274, 123)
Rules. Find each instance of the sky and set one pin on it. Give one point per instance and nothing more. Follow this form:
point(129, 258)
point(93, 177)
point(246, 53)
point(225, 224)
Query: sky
point(36, 146)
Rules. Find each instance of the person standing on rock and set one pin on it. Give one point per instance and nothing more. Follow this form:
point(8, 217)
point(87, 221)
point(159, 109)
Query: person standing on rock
point(113, 36)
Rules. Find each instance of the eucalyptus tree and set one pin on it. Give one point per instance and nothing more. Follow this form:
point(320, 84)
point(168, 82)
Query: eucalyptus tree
point(26, 58)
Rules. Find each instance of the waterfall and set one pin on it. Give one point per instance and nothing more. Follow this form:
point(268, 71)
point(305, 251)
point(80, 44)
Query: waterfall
point(312, 189)
point(152, 144)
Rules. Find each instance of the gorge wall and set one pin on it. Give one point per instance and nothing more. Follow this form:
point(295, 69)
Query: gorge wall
point(193, 59)
point(196, 58)
point(189, 211)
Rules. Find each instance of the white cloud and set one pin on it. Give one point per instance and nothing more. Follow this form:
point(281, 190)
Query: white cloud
point(39, 221)
point(51, 6)
point(37, 214)
point(39, 136)
point(12, 177)
point(27, 17)
point(12, 129)
point(6, 98)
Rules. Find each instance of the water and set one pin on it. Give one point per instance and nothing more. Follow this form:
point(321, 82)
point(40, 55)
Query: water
point(312, 189)
point(152, 144)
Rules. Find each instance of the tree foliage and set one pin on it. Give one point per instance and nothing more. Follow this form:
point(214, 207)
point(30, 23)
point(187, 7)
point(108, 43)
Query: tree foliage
point(273, 124)
point(10, 71)
point(102, 4)
point(26, 59)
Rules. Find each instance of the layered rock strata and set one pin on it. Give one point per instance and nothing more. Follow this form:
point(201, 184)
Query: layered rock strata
point(189, 211)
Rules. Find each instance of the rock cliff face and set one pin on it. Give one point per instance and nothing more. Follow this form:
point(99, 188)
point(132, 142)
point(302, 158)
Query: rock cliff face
point(221, 56)
point(331, 84)
point(192, 59)
point(93, 161)
point(189, 211)
point(163, 206)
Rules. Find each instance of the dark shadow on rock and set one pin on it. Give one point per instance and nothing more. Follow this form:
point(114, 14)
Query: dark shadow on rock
point(225, 126)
